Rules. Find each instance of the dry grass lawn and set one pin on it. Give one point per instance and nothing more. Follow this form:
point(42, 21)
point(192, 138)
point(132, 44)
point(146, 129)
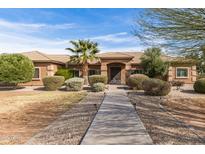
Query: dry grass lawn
point(23, 114)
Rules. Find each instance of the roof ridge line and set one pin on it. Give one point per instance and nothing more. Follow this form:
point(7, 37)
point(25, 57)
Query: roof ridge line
point(127, 54)
point(114, 53)
point(57, 54)
point(48, 57)
point(43, 55)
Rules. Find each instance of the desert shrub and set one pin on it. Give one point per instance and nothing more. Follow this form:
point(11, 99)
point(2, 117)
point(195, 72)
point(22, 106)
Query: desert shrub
point(74, 84)
point(156, 87)
point(97, 78)
point(15, 68)
point(97, 87)
point(199, 85)
point(52, 83)
point(64, 72)
point(135, 81)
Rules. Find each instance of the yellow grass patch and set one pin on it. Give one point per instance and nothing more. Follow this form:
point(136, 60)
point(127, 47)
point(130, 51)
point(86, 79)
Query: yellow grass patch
point(12, 103)
point(23, 114)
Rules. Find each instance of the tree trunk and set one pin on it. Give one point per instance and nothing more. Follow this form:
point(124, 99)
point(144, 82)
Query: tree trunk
point(85, 73)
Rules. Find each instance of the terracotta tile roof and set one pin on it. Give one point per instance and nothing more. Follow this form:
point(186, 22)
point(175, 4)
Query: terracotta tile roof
point(61, 58)
point(183, 60)
point(135, 56)
point(37, 56)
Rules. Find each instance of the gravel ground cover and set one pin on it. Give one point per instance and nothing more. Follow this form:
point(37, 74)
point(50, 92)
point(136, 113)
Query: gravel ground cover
point(188, 109)
point(70, 127)
point(162, 125)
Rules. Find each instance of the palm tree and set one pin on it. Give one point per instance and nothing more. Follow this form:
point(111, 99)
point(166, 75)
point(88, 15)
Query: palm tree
point(84, 51)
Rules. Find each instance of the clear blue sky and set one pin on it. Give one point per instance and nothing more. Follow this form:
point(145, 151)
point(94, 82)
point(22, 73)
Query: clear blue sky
point(50, 30)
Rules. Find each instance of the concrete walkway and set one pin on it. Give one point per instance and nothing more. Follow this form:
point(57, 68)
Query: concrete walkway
point(116, 122)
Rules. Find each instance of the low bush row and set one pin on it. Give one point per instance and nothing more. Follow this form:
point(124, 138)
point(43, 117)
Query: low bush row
point(159, 87)
point(155, 87)
point(51, 83)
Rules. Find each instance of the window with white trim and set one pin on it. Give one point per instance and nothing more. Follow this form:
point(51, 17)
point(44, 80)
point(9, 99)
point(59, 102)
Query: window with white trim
point(182, 72)
point(36, 73)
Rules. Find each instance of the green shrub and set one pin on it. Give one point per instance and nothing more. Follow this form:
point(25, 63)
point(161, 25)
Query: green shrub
point(64, 72)
point(153, 64)
point(74, 84)
point(135, 81)
point(97, 78)
point(156, 87)
point(199, 85)
point(97, 87)
point(15, 68)
point(52, 83)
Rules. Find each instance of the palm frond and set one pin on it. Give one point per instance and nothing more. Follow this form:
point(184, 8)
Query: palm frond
point(75, 44)
point(84, 50)
point(70, 49)
point(74, 59)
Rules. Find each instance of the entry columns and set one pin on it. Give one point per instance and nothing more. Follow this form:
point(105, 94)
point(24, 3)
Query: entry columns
point(104, 69)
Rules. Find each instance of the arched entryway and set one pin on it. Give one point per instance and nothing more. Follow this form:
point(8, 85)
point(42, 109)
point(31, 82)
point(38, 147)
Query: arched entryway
point(116, 73)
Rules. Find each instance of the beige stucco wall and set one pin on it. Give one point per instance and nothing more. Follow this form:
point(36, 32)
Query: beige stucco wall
point(124, 63)
point(192, 73)
point(46, 69)
point(49, 69)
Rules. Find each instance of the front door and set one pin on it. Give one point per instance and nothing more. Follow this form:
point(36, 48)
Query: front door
point(115, 75)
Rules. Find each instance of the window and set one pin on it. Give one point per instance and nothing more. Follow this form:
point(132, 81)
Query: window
point(94, 72)
point(76, 73)
point(137, 71)
point(36, 73)
point(182, 72)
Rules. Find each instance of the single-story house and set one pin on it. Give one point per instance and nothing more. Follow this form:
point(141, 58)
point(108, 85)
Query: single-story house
point(117, 66)
point(45, 65)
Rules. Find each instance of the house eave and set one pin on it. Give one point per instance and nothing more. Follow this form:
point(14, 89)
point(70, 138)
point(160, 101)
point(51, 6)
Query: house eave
point(116, 58)
point(48, 61)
